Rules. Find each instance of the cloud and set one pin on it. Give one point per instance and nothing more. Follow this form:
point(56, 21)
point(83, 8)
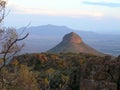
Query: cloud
point(19, 9)
point(107, 4)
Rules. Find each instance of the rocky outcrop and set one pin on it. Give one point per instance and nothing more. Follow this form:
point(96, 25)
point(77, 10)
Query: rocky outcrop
point(72, 42)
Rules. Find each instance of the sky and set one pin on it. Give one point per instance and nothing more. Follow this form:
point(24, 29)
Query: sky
point(102, 16)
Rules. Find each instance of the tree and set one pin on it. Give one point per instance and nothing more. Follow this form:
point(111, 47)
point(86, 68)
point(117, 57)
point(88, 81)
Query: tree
point(9, 45)
point(109, 71)
point(2, 10)
point(8, 42)
point(27, 78)
point(114, 71)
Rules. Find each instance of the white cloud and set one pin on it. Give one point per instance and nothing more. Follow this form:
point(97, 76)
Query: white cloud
point(19, 9)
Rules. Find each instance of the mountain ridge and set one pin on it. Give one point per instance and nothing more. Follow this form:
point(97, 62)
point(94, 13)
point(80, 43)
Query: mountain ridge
point(43, 39)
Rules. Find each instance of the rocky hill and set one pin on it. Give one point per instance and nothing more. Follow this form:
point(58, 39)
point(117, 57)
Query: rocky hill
point(72, 42)
point(44, 37)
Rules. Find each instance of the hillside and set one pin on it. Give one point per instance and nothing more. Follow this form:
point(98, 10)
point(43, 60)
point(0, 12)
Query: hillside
point(65, 71)
point(72, 42)
point(45, 37)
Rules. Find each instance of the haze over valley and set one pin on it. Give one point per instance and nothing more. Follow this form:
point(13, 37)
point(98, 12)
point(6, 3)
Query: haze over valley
point(96, 21)
point(44, 37)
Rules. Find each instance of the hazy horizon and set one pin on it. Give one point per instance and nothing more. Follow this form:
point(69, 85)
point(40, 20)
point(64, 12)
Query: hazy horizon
point(100, 16)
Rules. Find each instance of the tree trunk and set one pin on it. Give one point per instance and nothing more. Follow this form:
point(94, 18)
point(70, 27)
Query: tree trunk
point(118, 85)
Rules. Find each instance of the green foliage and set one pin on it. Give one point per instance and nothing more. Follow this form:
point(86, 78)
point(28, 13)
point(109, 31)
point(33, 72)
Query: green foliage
point(64, 71)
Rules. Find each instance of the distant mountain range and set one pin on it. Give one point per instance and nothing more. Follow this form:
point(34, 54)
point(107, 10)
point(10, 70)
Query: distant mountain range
point(43, 38)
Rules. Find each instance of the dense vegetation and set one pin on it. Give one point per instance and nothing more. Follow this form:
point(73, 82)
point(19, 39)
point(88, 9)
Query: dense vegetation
point(64, 71)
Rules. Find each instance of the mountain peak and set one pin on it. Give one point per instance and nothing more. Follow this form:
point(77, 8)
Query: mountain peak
point(72, 42)
point(72, 37)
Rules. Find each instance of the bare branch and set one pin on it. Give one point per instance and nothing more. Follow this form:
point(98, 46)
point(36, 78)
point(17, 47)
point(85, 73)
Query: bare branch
point(2, 6)
point(7, 51)
point(23, 37)
point(25, 29)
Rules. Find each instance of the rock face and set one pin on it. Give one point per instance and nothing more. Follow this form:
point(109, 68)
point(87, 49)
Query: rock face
point(73, 43)
point(72, 38)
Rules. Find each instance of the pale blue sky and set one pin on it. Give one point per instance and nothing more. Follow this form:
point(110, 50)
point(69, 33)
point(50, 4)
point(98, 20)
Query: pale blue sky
point(92, 15)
